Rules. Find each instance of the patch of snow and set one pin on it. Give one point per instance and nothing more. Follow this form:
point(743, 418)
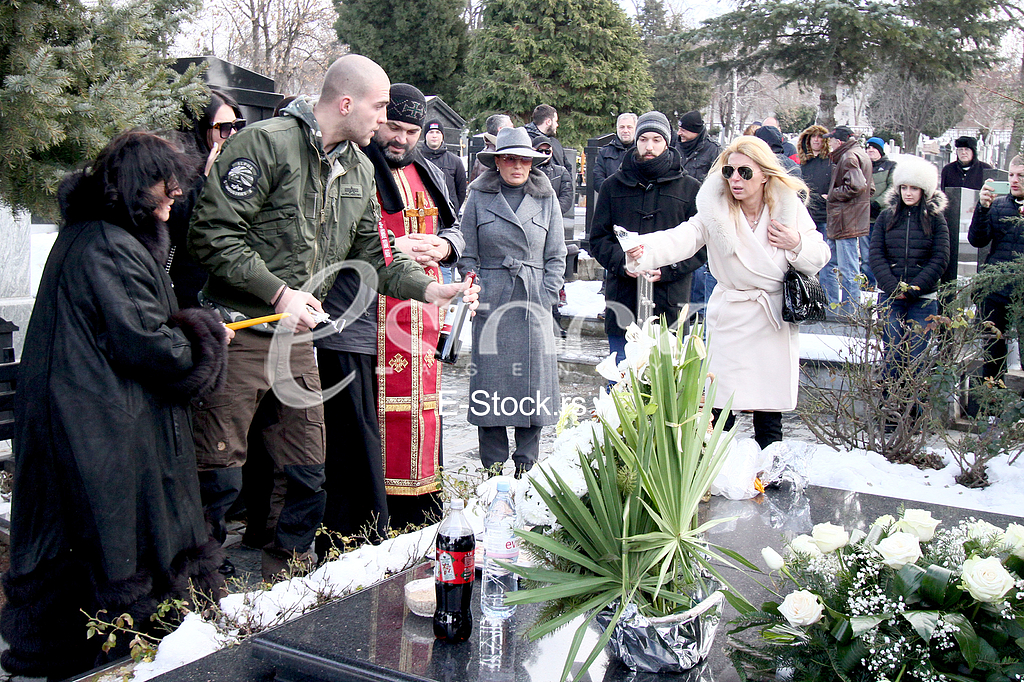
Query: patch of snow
point(193, 639)
point(582, 299)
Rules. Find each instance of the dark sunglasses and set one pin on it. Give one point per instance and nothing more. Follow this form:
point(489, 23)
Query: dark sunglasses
point(746, 172)
point(511, 159)
point(225, 128)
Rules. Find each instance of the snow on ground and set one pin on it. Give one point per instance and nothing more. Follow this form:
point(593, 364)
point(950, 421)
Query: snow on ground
point(582, 299)
point(869, 472)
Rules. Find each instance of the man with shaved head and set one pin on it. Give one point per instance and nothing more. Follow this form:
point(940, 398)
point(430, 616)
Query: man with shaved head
point(288, 198)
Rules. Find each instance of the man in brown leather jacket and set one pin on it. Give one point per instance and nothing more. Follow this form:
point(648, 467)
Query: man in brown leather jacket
point(849, 210)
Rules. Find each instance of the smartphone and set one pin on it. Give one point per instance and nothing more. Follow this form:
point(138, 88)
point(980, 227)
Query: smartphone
point(1000, 187)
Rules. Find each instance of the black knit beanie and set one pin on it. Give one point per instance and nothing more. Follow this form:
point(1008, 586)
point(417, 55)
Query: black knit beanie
point(407, 104)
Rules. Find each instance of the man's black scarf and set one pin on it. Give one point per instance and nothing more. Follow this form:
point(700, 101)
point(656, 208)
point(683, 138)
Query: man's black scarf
point(387, 188)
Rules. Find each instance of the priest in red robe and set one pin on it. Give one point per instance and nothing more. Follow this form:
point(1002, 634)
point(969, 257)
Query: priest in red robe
point(384, 427)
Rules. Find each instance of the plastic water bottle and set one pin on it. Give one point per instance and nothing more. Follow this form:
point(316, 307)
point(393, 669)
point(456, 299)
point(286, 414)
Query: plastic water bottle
point(501, 543)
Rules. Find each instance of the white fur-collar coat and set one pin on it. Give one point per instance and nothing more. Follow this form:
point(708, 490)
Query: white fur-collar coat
point(755, 355)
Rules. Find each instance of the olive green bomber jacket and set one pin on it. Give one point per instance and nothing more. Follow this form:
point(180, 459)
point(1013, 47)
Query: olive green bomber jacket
point(276, 211)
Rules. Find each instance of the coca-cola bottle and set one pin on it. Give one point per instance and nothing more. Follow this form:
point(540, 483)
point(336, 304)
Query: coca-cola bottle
point(449, 341)
point(454, 572)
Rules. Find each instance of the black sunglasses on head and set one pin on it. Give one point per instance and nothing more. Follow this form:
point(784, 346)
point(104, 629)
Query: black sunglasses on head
point(226, 127)
point(746, 172)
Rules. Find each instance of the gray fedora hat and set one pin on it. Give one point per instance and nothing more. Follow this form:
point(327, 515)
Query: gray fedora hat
point(515, 141)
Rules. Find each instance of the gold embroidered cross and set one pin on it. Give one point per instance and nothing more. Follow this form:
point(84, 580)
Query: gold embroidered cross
point(420, 213)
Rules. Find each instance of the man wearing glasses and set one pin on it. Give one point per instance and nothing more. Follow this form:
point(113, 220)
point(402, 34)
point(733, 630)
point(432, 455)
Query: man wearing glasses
point(287, 199)
point(650, 192)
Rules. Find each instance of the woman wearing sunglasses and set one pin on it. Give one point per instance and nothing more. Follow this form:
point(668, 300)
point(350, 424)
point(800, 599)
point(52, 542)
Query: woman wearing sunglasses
point(751, 217)
point(202, 140)
point(512, 224)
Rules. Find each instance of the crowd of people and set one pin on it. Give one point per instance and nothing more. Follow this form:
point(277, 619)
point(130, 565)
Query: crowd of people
point(277, 289)
point(879, 224)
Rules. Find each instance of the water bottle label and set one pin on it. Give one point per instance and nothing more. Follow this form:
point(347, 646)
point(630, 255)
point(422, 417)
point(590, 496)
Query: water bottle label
point(455, 568)
point(506, 549)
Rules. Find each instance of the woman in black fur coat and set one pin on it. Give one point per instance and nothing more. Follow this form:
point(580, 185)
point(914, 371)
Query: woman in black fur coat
point(106, 512)
point(909, 252)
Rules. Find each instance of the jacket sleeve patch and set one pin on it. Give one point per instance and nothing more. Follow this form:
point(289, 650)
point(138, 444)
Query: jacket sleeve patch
point(240, 180)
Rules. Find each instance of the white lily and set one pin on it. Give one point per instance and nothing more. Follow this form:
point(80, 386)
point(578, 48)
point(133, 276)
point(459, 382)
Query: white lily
point(604, 407)
point(608, 368)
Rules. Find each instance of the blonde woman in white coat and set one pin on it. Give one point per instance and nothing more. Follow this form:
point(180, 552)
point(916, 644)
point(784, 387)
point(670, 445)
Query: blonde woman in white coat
point(752, 218)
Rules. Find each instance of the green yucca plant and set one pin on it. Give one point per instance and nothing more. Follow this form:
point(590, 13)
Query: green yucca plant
point(634, 536)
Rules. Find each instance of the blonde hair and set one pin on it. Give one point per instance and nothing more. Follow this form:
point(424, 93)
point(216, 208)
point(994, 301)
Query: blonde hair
point(779, 181)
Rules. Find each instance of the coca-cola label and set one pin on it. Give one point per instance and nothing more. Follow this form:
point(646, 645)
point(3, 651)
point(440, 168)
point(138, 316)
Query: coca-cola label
point(455, 568)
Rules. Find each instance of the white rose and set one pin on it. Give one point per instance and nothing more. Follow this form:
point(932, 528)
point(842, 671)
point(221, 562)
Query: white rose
point(1013, 538)
point(772, 559)
point(857, 535)
point(986, 579)
point(918, 522)
point(801, 608)
point(884, 521)
point(829, 538)
point(979, 530)
point(899, 549)
point(805, 544)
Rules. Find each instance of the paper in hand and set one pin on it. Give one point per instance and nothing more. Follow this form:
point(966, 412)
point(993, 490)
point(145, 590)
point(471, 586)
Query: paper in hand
point(627, 239)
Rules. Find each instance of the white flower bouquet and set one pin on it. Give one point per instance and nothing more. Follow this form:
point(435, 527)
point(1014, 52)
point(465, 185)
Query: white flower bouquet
point(904, 601)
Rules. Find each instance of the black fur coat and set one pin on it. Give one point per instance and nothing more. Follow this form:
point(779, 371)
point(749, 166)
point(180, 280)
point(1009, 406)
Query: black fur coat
point(106, 511)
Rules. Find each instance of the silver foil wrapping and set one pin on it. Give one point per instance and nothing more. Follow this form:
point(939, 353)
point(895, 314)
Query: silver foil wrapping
point(672, 644)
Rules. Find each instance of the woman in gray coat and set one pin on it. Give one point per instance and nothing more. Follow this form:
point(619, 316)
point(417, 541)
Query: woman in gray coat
point(514, 242)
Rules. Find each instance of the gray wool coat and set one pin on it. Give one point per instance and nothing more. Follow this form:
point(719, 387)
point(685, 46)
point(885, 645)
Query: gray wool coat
point(519, 258)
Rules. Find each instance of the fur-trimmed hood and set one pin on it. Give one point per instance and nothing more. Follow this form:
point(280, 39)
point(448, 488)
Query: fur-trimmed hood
point(803, 145)
point(80, 199)
point(713, 204)
point(933, 205)
point(537, 184)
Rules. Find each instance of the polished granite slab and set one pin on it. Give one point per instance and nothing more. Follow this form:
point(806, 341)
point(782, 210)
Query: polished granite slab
point(372, 636)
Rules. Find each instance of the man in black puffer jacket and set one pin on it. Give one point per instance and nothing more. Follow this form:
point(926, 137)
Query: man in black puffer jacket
point(997, 222)
point(650, 192)
point(697, 151)
point(435, 152)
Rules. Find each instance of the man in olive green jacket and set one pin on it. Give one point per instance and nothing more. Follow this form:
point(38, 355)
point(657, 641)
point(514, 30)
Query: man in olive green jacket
point(287, 201)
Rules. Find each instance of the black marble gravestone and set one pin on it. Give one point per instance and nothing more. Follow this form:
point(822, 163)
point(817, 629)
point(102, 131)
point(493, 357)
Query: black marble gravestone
point(371, 635)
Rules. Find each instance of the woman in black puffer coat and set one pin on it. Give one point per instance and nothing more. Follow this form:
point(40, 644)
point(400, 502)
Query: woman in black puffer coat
point(909, 252)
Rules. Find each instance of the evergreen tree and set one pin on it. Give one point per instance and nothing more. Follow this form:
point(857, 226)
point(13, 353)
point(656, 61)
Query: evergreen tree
point(422, 42)
point(679, 83)
point(74, 74)
point(827, 43)
point(582, 57)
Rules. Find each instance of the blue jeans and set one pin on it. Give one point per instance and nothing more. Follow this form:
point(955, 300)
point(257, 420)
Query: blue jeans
point(847, 255)
point(827, 275)
point(905, 340)
point(703, 284)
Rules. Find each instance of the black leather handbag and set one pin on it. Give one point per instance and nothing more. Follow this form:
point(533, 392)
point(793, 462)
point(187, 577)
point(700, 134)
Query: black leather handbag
point(803, 298)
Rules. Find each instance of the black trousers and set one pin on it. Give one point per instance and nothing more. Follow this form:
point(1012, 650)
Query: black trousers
point(354, 470)
point(494, 445)
point(767, 426)
point(993, 309)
